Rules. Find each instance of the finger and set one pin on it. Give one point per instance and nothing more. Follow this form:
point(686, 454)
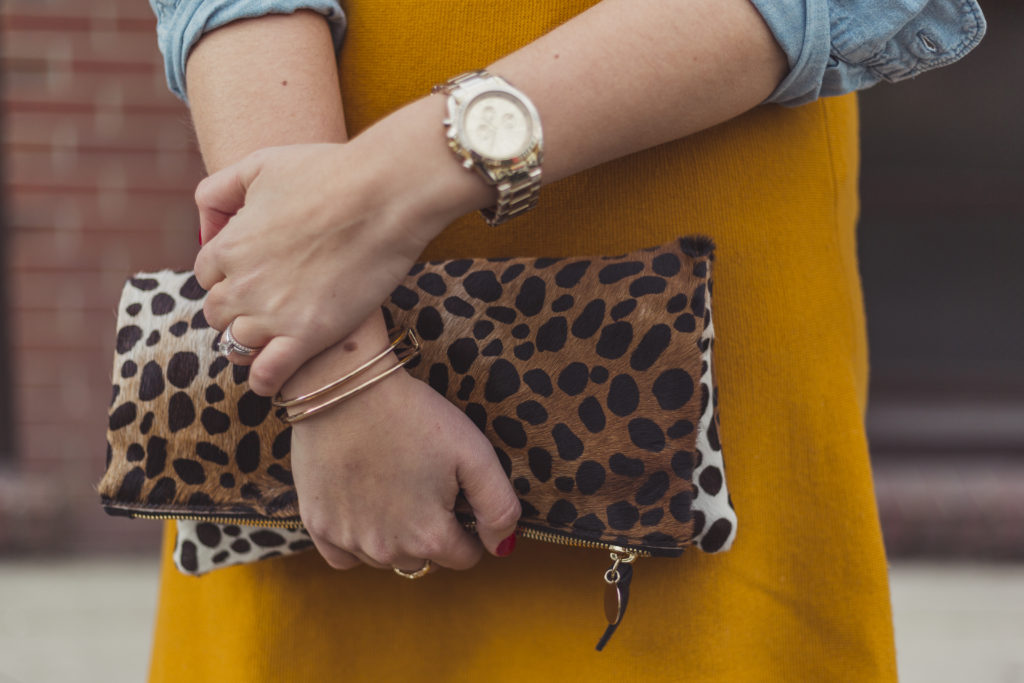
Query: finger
point(216, 307)
point(207, 271)
point(277, 361)
point(455, 547)
point(220, 196)
point(245, 332)
point(244, 361)
point(370, 562)
point(494, 503)
point(381, 552)
point(335, 556)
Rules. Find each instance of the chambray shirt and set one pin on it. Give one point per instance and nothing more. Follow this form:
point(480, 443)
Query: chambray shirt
point(833, 46)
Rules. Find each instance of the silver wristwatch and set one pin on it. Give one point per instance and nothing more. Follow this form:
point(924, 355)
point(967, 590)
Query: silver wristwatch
point(494, 129)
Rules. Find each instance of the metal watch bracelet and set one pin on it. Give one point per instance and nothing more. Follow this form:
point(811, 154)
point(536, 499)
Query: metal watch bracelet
point(516, 195)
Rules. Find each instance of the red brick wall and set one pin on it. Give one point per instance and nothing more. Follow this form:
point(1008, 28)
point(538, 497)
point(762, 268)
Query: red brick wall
point(99, 169)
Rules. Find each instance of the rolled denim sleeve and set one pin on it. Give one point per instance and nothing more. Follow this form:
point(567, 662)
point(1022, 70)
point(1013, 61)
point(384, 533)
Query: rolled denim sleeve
point(181, 23)
point(838, 46)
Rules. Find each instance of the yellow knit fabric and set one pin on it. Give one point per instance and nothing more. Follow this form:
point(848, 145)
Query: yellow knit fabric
point(802, 596)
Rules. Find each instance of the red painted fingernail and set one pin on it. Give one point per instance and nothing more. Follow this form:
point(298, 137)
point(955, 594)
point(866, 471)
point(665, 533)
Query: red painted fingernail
point(506, 547)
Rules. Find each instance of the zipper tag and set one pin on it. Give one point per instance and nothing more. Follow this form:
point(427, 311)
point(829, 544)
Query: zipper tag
point(616, 593)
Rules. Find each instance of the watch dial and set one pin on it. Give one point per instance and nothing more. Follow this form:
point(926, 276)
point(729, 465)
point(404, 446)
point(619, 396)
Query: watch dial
point(497, 126)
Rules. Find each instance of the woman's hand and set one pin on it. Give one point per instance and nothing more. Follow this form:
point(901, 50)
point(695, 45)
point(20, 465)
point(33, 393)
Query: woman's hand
point(303, 242)
point(378, 477)
point(298, 248)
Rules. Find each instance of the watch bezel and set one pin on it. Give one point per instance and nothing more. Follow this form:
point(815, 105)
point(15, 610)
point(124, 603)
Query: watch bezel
point(493, 170)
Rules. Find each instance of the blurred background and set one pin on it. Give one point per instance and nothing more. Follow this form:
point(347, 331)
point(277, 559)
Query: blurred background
point(98, 167)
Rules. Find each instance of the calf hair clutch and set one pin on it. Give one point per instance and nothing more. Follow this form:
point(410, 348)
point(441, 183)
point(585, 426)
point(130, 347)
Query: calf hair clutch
point(592, 377)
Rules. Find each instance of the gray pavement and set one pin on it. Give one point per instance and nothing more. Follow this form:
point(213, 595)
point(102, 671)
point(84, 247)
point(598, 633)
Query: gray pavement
point(76, 621)
point(962, 623)
point(86, 621)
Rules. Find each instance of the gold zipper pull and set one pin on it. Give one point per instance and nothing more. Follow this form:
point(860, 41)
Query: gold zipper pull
point(616, 592)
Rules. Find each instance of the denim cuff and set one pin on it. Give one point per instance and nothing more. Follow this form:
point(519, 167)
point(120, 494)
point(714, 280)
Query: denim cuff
point(844, 45)
point(181, 23)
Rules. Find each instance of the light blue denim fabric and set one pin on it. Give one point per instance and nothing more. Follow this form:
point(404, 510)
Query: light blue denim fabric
point(838, 46)
point(833, 46)
point(181, 23)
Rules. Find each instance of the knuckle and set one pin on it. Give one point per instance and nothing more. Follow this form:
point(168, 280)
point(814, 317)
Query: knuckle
point(466, 557)
point(203, 191)
point(260, 155)
point(381, 552)
point(336, 561)
point(430, 544)
point(506, 513)
point(262, 378)
point(470, 561)
point(211, 311)
point(309, 323)
point(325, 538)
point(316, 528)
point(323, 531)
point(202, 268)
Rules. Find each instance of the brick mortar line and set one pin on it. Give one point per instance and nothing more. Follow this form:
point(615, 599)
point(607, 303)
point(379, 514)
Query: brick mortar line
point(86, 24)
point(58, 107)
point(14, 189)
point(97, 149)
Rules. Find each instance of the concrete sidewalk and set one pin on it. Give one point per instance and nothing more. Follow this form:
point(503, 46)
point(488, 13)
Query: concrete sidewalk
point(76, 621)
point(86, 621)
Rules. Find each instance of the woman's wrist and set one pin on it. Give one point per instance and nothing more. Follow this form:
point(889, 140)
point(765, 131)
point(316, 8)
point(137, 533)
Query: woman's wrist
point(432, 188)
point(368, 340)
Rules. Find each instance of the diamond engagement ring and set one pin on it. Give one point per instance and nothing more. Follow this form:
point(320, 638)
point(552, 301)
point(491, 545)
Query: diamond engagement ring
point(228, 344)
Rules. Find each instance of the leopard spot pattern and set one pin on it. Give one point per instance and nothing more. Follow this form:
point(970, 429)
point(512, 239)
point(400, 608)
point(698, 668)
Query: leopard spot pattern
point(594, 416)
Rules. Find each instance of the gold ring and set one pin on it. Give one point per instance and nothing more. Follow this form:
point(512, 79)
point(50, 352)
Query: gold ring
point(422, 571)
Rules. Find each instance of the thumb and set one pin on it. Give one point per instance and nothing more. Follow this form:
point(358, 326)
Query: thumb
point(490, 495)
point(221, 195)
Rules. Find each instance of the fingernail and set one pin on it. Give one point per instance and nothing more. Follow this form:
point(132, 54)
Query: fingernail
point(200, 237)
point(506, 547)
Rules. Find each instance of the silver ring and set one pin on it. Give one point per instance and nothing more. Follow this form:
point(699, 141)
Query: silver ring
point(228, 344)
point(422, 571)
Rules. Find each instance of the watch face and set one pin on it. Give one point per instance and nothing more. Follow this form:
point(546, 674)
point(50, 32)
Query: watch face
point(497, 126)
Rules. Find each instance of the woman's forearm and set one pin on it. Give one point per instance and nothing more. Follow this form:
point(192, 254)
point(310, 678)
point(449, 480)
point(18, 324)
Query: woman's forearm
point(274, 81)
point(621, 77)
point(262, 82)
point(630, 74)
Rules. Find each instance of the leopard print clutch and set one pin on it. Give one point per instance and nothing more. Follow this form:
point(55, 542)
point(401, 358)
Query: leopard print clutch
point(591, 376)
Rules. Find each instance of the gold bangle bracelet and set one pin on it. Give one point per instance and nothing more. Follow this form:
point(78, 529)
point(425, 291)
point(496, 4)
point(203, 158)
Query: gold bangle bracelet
point(310, 412)
point(408, 333)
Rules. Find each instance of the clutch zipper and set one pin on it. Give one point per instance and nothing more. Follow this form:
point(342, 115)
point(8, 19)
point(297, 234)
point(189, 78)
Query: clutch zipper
point(245, 521)
point(617, 578)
